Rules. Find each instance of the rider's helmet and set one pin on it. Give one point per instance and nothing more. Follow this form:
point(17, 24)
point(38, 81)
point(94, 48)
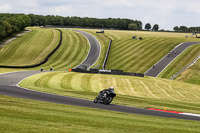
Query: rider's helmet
point(111, 87)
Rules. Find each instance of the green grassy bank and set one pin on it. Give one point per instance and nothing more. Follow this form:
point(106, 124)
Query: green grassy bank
point(132, 91)
point(20, 115)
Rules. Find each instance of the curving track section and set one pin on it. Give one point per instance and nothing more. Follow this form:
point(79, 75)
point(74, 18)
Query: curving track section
point(166, 60)
point(94, 52)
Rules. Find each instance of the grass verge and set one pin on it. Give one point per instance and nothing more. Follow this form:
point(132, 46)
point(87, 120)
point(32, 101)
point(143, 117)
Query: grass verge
point(20, 115)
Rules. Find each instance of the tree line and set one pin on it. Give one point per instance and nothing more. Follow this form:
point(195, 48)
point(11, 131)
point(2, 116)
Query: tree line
point(115, 23)
point(186, 29)
point(12, 23)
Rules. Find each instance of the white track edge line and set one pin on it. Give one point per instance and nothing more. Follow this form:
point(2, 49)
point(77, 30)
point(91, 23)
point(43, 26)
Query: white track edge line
point(190, 114)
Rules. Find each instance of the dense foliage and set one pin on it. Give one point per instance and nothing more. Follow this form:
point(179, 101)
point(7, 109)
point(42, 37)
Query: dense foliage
point(148, 26)
point(12, 23)
point(132, 26)
point(115, 23)
point(186, 29)
point(155, 27)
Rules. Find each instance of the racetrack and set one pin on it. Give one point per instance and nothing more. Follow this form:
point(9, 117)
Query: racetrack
point(9, 81)
point(95, 49)
point(8, 87)
point(166, 60)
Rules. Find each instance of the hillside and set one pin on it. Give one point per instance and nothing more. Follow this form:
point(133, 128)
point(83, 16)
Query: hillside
point(132, 91)
point(29, 49)
point(72, 52)
point(133, 55)
point(191, 75)
point(32, 48)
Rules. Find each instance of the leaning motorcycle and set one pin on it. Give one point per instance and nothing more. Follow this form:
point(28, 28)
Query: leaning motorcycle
point(105, 97)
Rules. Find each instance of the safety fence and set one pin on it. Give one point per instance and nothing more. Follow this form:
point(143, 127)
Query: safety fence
point(112, 72)
point(186, 67)
point(107, 54)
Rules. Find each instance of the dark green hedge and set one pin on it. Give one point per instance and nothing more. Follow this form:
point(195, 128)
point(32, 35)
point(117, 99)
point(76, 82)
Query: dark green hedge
point(12, 23)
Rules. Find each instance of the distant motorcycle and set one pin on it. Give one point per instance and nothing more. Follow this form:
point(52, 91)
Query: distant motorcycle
point(106, 96)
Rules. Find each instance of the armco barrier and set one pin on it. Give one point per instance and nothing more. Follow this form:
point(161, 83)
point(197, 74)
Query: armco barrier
point(186, 67)
point(107, 54)
point(42, 62)
point(112, 72)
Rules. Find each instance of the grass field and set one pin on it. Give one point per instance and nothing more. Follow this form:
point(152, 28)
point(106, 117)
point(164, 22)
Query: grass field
point(29, 49)
point(132, 91)
point(33, 48)
point(20, 115)
point(139, 55)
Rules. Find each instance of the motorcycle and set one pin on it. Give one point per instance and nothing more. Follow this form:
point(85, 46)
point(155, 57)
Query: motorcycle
point(105, 96)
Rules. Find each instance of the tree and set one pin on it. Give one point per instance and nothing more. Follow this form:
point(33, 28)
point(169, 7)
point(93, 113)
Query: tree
point(183, 28)
point(132, 26)
point(8, 27)
point(155, 27)
point(2, 31)
point(148, 26)
point(176, 28)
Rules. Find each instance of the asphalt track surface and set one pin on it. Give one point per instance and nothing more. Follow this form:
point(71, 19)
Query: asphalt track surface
point(166, 60)
point(94, 52)
point(9, 87)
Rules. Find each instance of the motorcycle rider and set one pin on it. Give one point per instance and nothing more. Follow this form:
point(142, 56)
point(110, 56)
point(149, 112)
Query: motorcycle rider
point(105, 96)
point(104, 92)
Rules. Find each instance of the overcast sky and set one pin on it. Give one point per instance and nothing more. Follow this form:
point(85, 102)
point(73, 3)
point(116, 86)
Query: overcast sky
point(166, 13)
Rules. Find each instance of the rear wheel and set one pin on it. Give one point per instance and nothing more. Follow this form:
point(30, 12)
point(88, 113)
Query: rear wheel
point(108, 100)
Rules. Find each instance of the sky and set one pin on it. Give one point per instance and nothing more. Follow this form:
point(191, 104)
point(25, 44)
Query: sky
point(165, 13)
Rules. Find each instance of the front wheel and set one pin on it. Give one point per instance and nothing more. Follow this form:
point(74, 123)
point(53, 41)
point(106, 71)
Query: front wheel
point(95, 100)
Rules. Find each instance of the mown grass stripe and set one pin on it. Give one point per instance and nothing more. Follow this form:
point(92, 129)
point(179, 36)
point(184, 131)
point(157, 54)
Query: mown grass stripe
point(65, 54)
point(43, 81)
point(31, 46)
point(115, 59)
point(72, 52)
point(66, 81)
point(61, 52)
point(126, 47)
point(135, 62)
